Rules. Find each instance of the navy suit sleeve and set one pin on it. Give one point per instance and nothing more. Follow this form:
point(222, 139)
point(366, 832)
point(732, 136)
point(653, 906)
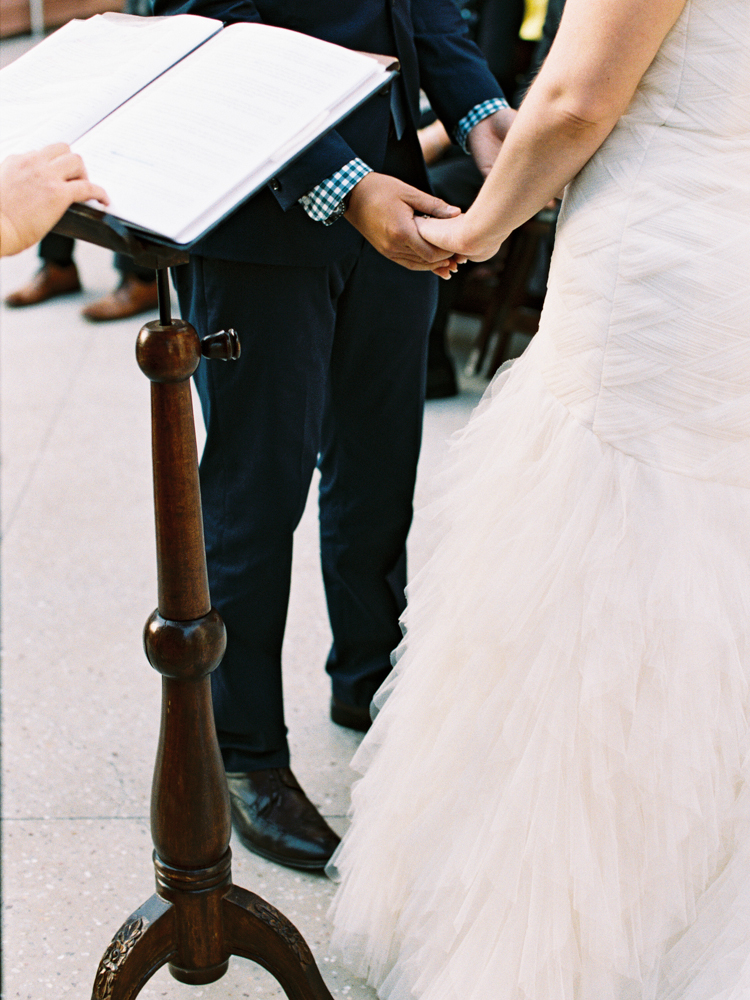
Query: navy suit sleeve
point(327, 156)
point(228, 11)
point(452, 69)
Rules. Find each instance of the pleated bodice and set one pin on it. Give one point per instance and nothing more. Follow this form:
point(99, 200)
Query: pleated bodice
point(646, 333)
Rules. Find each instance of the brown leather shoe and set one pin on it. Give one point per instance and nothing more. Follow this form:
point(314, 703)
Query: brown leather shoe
point(275, 819)
point(49, 281)
point(132, 296)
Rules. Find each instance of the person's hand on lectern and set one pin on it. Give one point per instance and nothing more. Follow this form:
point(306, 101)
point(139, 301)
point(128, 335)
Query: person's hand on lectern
point(384, 210)
point(35, 190)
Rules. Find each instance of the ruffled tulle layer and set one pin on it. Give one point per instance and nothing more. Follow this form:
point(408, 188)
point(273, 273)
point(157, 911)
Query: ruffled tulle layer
point(556, 803)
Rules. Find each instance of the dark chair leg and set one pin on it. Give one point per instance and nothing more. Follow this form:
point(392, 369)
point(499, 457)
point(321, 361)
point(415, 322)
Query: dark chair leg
point(511, 293)
point(511, 307)
point(500, 266)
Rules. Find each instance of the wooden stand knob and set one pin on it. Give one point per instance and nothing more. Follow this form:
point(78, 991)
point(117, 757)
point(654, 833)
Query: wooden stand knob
point(221, 346)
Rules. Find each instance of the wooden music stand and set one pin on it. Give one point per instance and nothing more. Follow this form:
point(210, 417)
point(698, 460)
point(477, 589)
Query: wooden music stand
point(196, 919)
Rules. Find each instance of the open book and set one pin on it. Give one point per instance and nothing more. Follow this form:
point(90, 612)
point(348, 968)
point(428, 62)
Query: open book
point(179, 118)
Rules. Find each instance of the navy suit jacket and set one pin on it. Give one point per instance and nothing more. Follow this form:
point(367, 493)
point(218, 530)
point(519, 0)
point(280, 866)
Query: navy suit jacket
point(430, 41)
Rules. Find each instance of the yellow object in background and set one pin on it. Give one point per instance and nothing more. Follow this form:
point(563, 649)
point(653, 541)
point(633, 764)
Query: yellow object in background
point(533, 20)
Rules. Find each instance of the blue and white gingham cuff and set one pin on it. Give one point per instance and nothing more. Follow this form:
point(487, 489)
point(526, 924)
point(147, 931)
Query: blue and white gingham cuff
point(477, 114)
point(324, 202)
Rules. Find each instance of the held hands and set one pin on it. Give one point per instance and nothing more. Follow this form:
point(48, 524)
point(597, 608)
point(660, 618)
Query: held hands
point(461, 236)
point(36, 189)
point(383, 209)
point(416, 229)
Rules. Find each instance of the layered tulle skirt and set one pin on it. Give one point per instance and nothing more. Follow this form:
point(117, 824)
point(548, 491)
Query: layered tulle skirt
point(556, 800)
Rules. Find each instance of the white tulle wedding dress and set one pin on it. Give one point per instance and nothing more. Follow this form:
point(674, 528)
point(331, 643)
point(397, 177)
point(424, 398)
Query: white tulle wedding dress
point(556, 800)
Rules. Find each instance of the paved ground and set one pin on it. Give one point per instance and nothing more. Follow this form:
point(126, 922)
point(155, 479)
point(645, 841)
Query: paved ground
point(80, 703)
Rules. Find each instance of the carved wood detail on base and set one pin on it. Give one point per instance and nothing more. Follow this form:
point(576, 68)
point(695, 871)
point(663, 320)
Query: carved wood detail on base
point(143, 944)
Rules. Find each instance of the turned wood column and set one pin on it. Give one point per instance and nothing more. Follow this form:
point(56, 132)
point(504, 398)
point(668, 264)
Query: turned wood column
point(184, 640)
point(197, 919)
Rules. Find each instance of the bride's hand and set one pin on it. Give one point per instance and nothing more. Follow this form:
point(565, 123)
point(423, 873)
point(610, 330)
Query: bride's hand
point(459, 236)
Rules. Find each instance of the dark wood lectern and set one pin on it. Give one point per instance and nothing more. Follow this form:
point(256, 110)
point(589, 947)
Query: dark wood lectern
point(196, 919)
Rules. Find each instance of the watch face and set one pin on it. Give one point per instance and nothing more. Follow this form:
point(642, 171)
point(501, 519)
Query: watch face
point(335, 214)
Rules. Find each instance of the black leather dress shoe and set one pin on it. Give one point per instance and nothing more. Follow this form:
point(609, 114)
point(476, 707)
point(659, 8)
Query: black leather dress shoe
point(350, 716)
point(275, 819)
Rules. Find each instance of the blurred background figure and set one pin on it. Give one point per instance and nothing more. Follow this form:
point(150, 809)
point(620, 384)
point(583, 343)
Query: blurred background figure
point(58, 275)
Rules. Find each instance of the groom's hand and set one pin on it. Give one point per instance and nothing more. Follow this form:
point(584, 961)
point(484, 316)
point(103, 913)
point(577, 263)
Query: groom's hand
point(487, 136)
point(383, 208)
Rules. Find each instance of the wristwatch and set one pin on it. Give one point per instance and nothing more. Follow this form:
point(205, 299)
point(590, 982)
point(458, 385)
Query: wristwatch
point(338, 211)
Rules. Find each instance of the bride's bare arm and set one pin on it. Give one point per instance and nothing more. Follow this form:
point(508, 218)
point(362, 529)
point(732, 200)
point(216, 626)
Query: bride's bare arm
point(602, 49)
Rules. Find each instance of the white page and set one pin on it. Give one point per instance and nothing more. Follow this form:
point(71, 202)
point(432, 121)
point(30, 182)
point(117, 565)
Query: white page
point(264, 173)
point(167, 156)
point(63, 86)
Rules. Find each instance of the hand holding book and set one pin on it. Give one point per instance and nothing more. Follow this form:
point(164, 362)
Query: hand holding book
point(35, 189)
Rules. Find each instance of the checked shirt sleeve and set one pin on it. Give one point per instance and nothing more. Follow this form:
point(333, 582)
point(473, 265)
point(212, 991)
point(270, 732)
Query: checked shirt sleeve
point(325, 203)
point(476, 115)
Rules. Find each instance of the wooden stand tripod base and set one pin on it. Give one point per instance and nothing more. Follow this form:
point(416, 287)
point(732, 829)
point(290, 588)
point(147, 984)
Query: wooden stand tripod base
point(196, 919)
